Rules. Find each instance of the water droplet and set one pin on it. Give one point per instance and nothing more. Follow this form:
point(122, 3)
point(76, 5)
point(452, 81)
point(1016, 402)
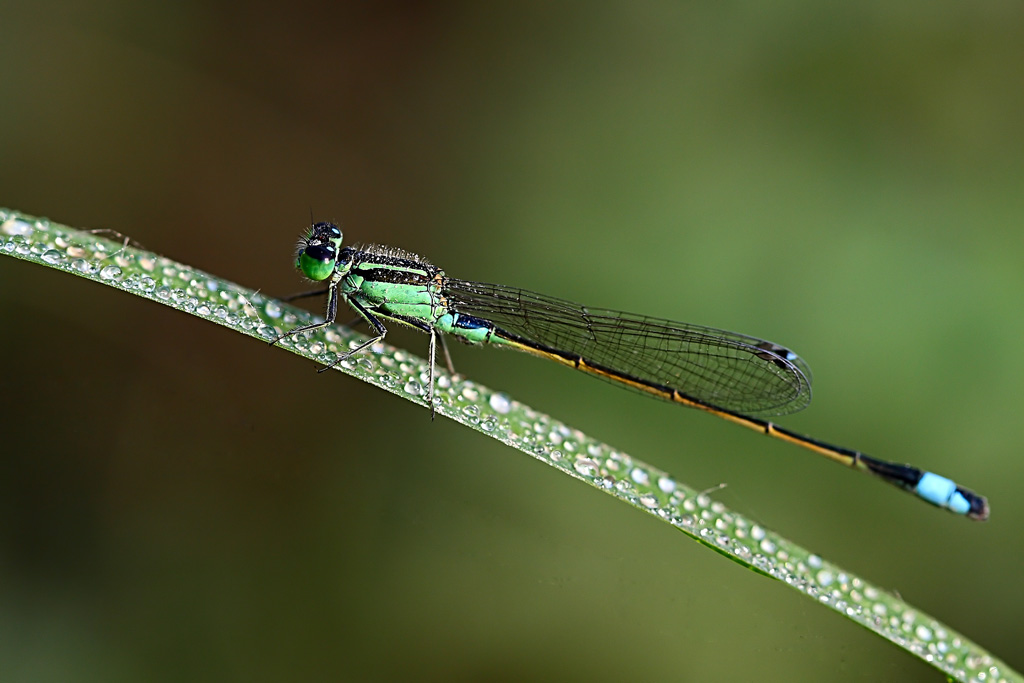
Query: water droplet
point(147, 285)
point(584, 466)
point(15, 226)
point(111, 273)
point(413, 388)
point(649, 501)
point(272, 309)
point(331, 335)
point(824, 577)
point(500, 403)
point(51, 256)
point(640, 477)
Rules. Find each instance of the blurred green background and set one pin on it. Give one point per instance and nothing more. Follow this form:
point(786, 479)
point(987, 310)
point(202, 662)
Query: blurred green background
point(181, 503)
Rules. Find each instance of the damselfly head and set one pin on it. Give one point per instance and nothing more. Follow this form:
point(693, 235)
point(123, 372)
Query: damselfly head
point(317, 251)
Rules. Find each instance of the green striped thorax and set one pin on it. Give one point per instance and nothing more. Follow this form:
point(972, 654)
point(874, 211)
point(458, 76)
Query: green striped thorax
point(318, 251)
point(379, 282)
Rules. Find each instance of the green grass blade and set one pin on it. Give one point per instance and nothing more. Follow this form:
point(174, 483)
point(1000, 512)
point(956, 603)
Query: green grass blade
point(122, 265)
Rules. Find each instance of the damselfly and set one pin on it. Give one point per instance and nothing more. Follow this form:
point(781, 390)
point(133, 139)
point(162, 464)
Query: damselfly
point(736, 377)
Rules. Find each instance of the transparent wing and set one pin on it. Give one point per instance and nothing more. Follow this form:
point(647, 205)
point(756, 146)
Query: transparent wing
point(724, 369)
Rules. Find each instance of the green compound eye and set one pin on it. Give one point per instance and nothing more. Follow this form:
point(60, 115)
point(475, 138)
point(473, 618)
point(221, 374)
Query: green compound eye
point(317, 261)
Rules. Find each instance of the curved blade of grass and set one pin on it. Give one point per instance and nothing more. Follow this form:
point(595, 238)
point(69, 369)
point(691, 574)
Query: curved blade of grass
point(120, 264)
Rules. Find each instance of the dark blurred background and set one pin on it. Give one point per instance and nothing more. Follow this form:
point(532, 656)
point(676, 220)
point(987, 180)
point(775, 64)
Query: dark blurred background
point(182, 503)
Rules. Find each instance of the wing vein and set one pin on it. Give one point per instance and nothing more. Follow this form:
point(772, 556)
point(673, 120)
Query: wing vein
point(724, 369)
